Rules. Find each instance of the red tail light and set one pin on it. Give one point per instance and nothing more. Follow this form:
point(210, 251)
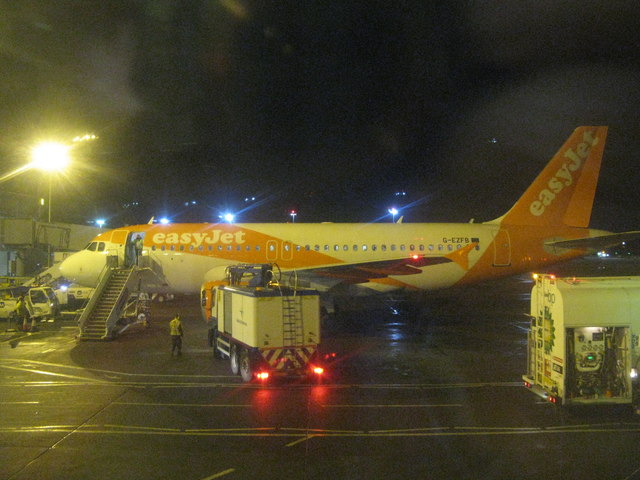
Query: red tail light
point(318, 370)
point(262, 375)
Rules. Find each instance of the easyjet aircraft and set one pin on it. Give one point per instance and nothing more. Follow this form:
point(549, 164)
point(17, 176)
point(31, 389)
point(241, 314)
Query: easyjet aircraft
point(548, 224)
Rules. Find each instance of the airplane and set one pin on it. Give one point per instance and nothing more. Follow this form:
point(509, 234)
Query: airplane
point(548, 224)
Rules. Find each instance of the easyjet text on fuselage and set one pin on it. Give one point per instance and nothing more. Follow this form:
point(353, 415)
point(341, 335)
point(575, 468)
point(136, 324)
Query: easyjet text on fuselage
point(200, 238)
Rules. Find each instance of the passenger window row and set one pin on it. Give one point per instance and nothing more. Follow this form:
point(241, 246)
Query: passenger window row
point(210, 248)
point(325, 248)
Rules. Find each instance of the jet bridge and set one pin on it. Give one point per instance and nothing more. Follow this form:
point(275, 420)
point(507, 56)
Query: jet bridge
point(115, 304)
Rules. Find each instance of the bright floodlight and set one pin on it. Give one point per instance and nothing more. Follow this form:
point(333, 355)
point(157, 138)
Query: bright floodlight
point(50, 156)
point(100, 222)
point(85, 138)
point(229, 217)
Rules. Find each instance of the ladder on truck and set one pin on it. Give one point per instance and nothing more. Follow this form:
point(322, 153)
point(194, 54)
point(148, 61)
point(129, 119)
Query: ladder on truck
point(292, 321)
point(109, 300)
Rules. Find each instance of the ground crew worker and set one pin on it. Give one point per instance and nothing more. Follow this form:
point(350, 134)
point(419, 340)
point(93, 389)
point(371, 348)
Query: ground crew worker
point(175, 330)
point(138, 245)
point(22, 309)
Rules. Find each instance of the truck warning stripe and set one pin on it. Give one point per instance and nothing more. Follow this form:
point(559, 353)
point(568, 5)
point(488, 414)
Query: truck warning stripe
point(277, 357)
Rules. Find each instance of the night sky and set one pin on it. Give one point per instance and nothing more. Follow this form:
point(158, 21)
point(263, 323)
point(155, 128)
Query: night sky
point(326, 107)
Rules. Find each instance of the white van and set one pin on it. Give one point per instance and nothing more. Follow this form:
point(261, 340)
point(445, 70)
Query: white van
point(43, 302)
point(72, 297)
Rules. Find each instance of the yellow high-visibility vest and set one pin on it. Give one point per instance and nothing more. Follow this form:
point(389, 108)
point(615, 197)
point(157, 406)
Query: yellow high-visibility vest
point(175, 327)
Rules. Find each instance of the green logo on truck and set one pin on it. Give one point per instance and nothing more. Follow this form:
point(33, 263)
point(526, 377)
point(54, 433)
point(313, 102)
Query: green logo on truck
point(549, 331)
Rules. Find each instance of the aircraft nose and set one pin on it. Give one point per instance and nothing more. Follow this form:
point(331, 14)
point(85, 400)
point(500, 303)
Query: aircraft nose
point(83, 268)
point(70, 268)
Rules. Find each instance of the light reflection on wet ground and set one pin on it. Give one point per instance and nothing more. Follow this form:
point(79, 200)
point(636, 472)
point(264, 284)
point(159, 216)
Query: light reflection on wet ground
point(379, 339)
point(437, 382)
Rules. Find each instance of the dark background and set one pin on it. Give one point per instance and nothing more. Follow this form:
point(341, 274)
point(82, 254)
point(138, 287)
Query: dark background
point(327, 107)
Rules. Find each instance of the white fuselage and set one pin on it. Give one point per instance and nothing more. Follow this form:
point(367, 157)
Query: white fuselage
point(183, 256)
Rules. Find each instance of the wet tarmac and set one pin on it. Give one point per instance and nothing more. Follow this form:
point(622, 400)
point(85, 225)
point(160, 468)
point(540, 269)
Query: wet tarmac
point(417, 391)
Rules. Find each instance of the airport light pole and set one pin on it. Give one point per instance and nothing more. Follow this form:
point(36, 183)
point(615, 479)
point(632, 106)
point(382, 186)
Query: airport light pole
point(50, 157)
point(393, 211)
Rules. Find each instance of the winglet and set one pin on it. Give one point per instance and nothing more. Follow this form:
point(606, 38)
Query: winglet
point(563, 193)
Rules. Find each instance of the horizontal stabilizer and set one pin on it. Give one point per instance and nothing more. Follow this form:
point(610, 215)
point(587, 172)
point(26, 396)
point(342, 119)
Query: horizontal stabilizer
point(596, 243)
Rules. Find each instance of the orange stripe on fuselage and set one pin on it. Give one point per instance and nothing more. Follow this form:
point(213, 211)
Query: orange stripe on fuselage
point(527, 252)
point(233, 242)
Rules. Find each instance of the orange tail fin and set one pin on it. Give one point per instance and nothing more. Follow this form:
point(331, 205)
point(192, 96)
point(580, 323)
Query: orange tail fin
point(563, 193)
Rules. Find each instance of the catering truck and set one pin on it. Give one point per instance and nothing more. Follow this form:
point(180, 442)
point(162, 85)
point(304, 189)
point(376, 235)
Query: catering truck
point(583, 340)
point(263, 327)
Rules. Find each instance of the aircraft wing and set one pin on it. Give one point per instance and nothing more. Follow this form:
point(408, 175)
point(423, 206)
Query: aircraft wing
point(596, 243)
point(363, 272)
point(376, 270)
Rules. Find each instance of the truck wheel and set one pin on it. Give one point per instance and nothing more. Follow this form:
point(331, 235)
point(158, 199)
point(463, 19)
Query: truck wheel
point(246, 370)
point(234, 360)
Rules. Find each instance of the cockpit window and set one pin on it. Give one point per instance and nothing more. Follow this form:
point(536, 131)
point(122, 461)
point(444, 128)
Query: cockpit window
point(96, 246)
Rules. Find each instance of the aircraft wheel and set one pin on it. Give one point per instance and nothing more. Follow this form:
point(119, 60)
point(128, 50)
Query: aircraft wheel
point(234, 360)
point(246, 370)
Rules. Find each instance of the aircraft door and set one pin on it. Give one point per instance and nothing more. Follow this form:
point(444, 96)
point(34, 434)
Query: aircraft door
point(228, 313)
point(272, 250)
point(501, 248)
point(287, 250)
point(279, 251)
point(119, 247)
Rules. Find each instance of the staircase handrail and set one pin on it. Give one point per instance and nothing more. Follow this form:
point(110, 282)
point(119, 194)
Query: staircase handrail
point(120, 303)
point(103, 280)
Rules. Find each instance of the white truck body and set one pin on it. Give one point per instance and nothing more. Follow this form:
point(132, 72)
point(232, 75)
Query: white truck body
point(583, 340)
point(73, 297)
point(266, 331)
point(42, 302)
point(255, 317)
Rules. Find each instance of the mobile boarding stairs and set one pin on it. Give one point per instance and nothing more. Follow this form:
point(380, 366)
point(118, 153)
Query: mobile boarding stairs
point(115, 303)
